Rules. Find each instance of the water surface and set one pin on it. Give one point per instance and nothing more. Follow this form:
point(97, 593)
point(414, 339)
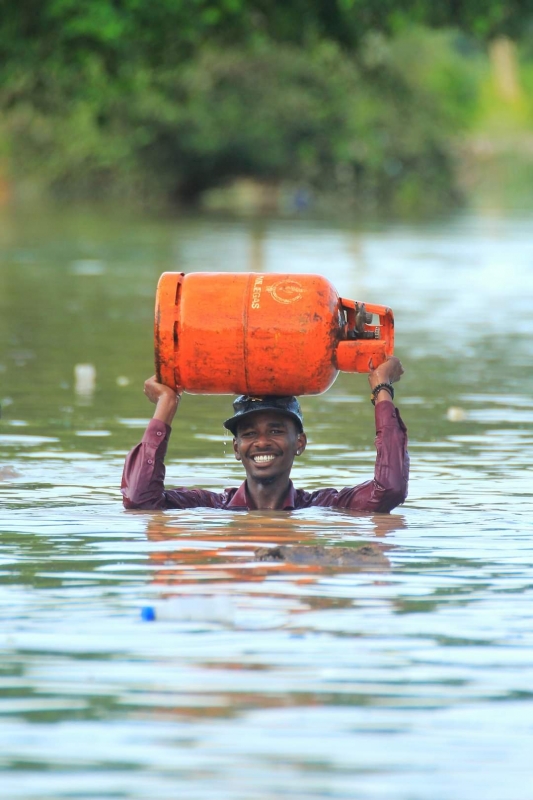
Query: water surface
point(408, 680)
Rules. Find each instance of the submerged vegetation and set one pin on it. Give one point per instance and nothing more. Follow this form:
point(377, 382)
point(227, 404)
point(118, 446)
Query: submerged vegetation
point(171, 100)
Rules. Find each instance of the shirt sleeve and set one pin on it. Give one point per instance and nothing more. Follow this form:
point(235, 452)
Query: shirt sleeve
point(391, 474)
point(143, 478)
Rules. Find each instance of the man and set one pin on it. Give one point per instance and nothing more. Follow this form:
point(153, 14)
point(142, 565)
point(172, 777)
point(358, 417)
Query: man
point(268, 435)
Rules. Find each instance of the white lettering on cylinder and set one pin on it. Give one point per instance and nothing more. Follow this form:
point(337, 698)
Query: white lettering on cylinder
point(256, 291)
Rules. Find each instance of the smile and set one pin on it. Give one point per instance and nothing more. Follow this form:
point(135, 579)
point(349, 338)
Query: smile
point(263, 459)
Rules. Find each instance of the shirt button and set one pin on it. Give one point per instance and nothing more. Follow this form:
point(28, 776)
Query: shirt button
point(150, 461)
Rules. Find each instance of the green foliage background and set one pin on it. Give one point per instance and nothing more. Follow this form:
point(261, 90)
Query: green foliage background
point(367, 102)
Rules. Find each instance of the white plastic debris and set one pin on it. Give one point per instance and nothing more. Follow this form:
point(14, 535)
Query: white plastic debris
point(84, 379)
point(456, 414)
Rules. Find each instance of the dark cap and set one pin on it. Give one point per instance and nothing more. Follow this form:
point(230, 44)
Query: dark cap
point(244, 405)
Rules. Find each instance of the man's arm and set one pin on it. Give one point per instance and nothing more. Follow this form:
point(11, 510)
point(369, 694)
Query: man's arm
point(389, 485)
point(166, 400)
point(143, 478)
point(391, 473)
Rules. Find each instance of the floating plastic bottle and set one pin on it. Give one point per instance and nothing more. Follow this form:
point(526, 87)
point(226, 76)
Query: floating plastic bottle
point(213, 609)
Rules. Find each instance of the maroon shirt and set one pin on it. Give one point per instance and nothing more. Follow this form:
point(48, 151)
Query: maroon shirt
point(144, 474)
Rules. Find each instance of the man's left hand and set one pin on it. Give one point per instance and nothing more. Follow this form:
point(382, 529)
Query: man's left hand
point(389, 372)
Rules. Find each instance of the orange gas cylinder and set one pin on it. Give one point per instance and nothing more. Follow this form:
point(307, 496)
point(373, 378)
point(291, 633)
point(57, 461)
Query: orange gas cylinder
point(250, 333)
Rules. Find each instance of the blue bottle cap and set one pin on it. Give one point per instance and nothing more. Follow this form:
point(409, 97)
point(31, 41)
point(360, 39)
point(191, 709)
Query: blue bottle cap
point(148, 613)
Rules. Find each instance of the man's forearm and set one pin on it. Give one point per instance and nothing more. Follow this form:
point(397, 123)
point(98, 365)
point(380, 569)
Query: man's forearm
point(391, 473)
point(166, 407)
point(144, 469)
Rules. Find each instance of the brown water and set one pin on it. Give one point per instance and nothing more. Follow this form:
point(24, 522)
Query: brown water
point(407, 679)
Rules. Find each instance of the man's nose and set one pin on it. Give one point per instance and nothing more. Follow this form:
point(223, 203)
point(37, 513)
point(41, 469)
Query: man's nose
point(262, 439)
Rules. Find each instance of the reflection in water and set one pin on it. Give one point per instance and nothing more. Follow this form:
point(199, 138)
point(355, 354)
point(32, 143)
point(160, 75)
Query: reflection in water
point(211, 573)
point(275, 542)
point(268, 678)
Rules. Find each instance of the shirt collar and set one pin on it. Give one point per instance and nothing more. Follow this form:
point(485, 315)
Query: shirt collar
point(241, 499)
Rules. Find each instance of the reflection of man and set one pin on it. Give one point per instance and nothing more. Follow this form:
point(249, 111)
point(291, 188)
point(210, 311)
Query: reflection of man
point(268, 435)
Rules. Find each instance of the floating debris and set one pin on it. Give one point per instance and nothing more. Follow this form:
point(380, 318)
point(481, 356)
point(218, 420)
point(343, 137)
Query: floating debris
point(316, 555)
point(7, 473)
point(191, 609)
point(84, 379)
point(456, 414)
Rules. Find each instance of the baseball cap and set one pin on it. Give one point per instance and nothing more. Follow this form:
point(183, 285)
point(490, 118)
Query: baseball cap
point(245, 404)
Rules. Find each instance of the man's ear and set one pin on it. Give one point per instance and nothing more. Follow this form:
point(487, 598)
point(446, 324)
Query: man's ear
point(301, 442)
point(236, 450)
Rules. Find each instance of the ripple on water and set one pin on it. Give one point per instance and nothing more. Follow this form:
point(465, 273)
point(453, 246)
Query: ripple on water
point(263, 678)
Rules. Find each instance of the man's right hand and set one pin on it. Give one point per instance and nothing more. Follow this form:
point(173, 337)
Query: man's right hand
point(165, 399)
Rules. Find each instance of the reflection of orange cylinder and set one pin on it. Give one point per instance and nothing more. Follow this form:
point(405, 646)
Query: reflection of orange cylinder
point(255, 333)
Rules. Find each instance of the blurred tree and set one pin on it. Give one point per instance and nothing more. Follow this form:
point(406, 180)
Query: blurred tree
point(168, 31)
point(200, 90)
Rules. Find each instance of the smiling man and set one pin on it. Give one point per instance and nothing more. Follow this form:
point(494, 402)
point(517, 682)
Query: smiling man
point(268, 435)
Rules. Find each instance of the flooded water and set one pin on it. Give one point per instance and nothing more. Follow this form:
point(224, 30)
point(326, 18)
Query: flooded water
point(409, 677)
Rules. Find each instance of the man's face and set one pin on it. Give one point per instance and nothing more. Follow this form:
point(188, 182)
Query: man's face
point(267, 443)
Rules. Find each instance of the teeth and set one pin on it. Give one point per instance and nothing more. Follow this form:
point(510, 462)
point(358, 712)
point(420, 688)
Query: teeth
point(263, 459)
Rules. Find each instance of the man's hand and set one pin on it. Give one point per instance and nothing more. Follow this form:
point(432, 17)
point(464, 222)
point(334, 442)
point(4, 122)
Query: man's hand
point(165, 399)
point(390, 371)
